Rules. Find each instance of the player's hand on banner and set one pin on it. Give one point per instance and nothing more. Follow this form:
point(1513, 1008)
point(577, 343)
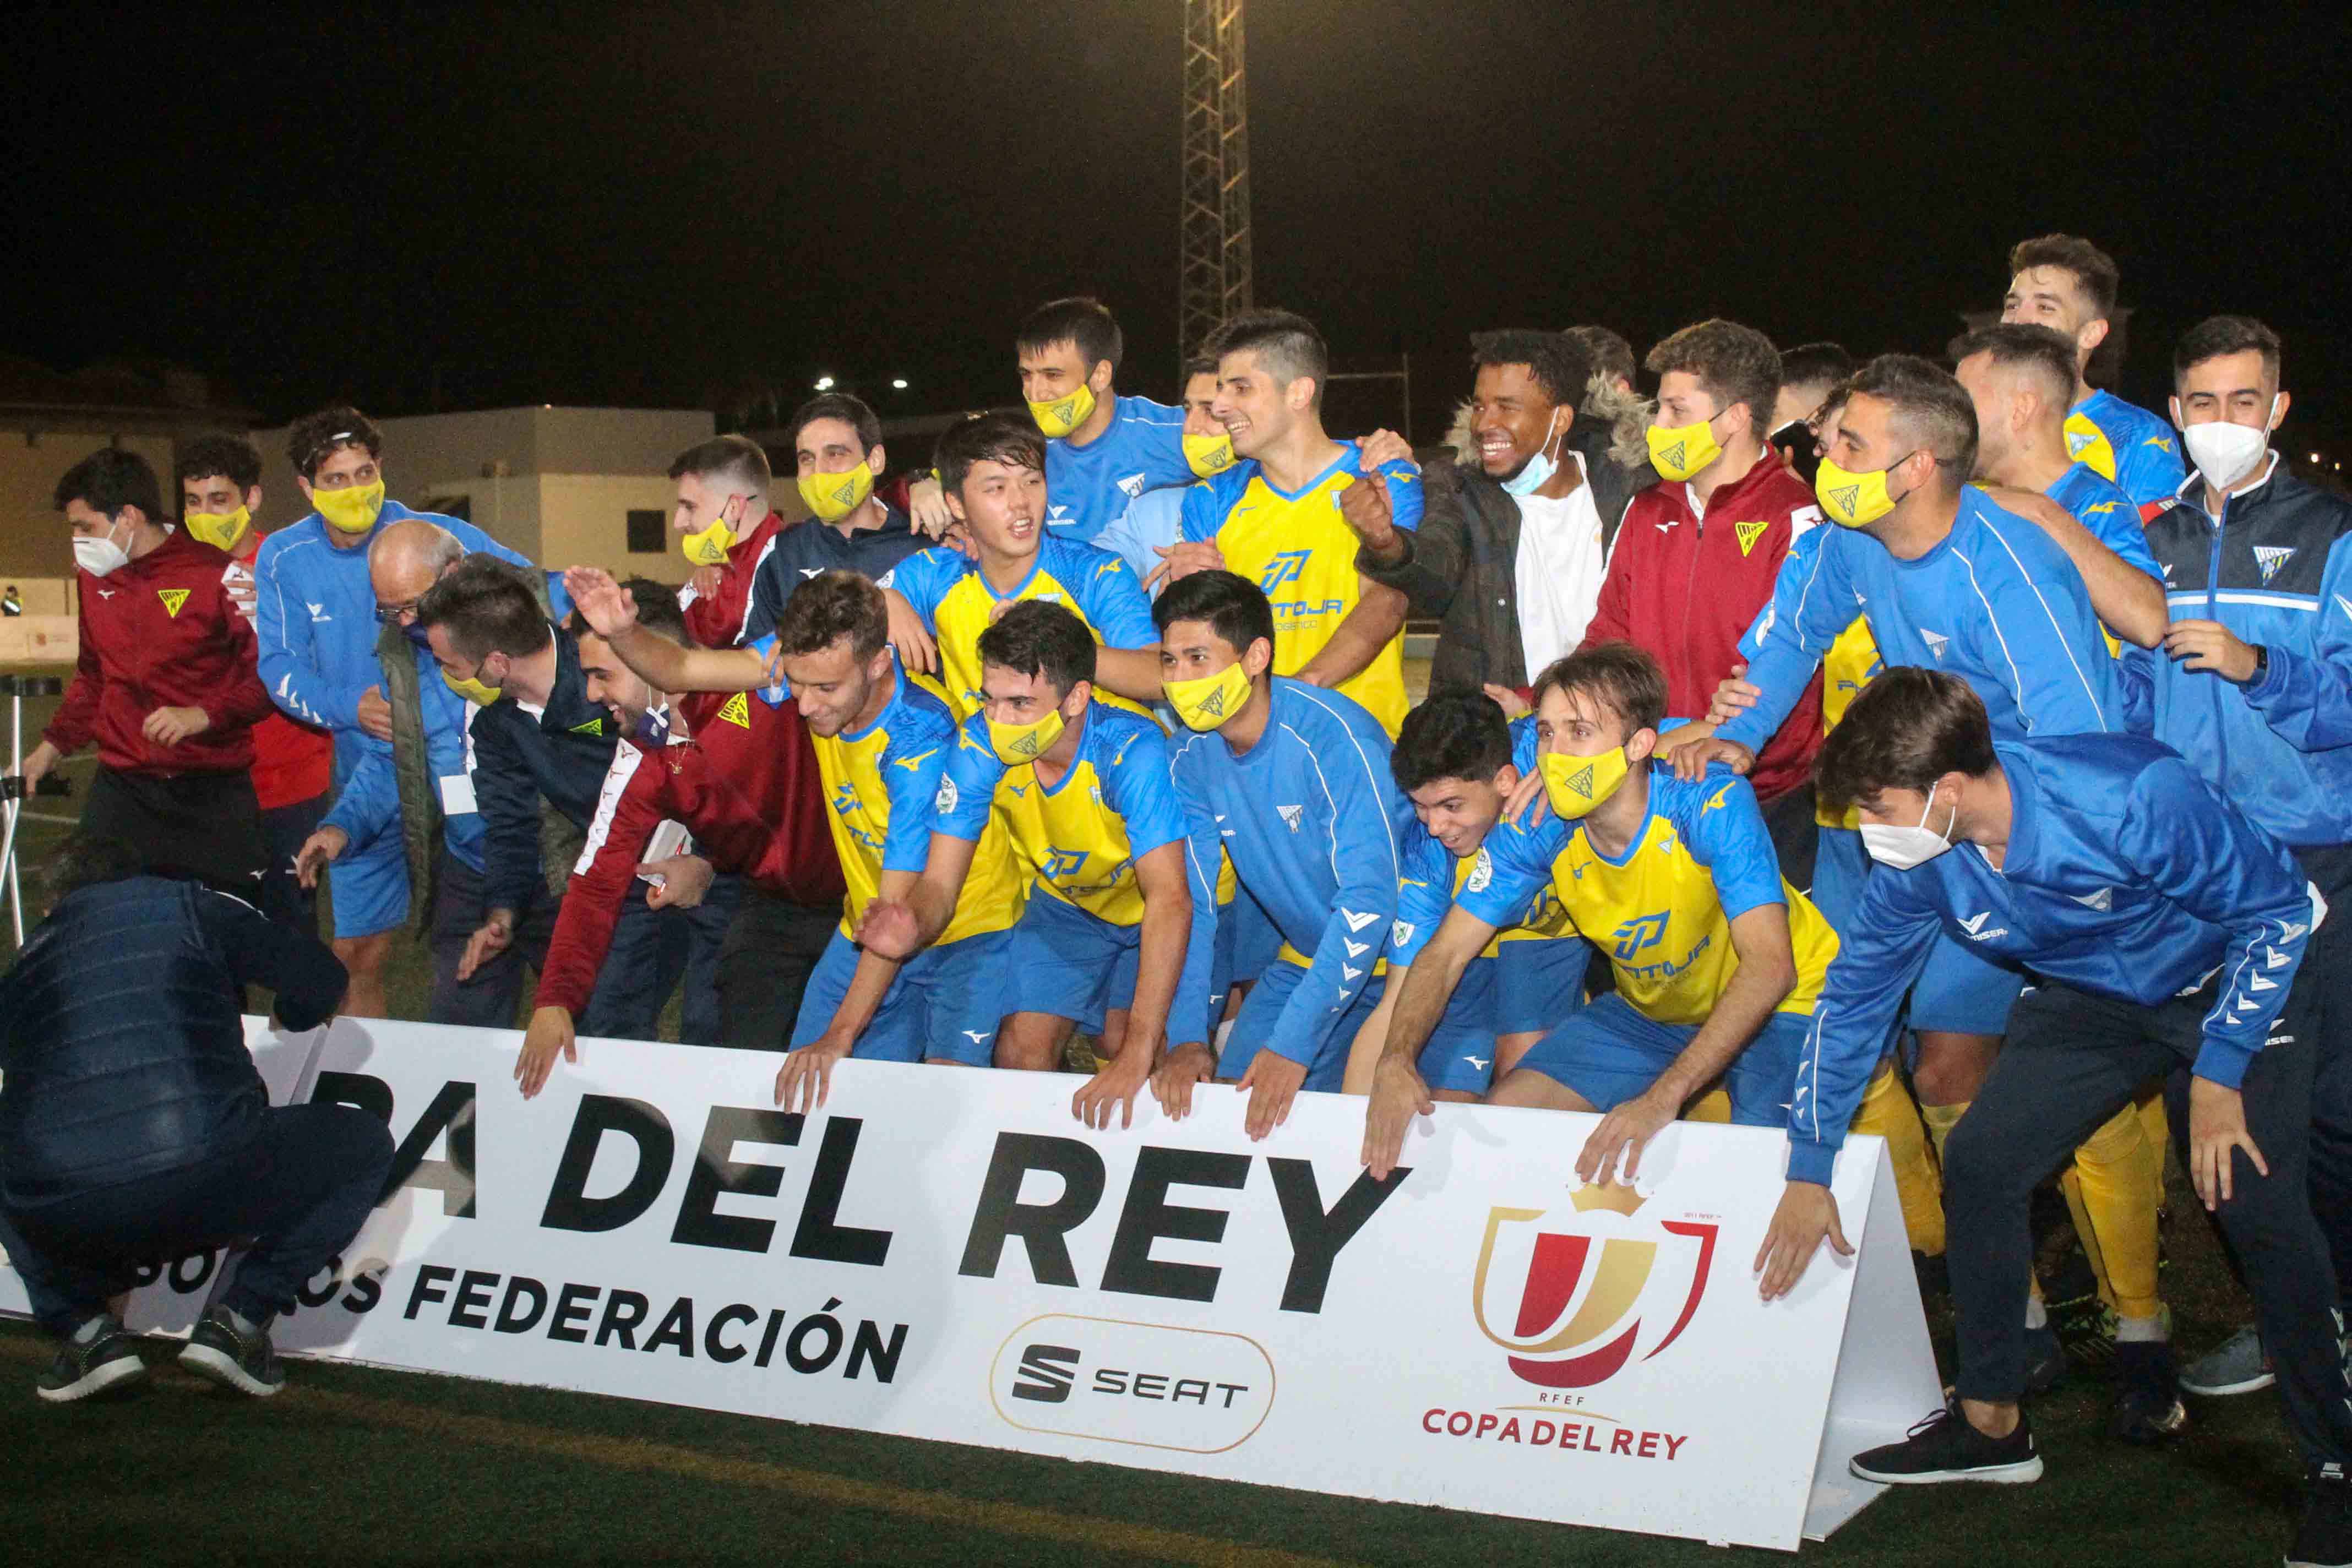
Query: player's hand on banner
point(1399, 1094)
point(549, 1033)
point(316, 852)
point(375, 713)
point(1382, 448)
point(2217, 1124)
point(1732, 698)
point(1808, 1213)
point(1171, 1084)
point(1624, 1132)
point(806, 1077)
point(170, 726)
point(1274, 1081)
point(1182, 559)
point(610, 610)
point(910, 635)
point(889, 928)
point(1115, 1084)
point(491, 938)
point(1690, 760)
point(2209, 644)
point(685, 879)
point(1514, 706)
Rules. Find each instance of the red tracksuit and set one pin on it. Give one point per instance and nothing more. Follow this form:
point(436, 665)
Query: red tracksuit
point(716, 621)
point(163, 631)
point(1687, 588)
point(292, 762)
point(746, 786)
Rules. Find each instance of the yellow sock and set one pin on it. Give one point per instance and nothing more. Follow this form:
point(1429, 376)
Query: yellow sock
point(2160, 1135)
point(2113, 1189)
point(1715, 1105)
point(1940, 1120)
point(1887, 1110)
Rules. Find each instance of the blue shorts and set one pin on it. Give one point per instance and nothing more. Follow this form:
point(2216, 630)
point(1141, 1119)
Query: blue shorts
point(1840, 863)
point(1963, 991)
point(1263, 1007)
point(1609, 1053)
point(1538, 986)
point(1460, 1053)
point(369, 890)
point(1068, 962)
point(944, 1006)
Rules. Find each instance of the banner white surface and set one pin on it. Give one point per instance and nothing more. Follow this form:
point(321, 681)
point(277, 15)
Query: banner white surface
point(950, 1255)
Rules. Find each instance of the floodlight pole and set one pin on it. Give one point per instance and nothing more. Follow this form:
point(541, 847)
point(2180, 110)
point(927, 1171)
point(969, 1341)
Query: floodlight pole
point(1214, 271)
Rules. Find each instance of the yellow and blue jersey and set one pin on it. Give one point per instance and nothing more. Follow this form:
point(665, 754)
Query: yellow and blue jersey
point(1299, 550)
point(1663, 911)
point(1849, 665)
point(2126, 444)
point(1087, 488)
point(946, 589)
point(1078, 838)
point(884, 787)
point(1434, 878)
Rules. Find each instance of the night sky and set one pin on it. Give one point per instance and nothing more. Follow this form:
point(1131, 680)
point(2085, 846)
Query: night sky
point(691, 205)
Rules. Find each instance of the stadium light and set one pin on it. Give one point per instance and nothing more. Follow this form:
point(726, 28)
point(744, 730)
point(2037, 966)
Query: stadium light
point(898, 383)
point(825, 384)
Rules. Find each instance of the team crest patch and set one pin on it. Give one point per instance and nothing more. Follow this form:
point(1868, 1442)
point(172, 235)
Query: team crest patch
point(1749, 532)
point(589, 727)
point(737, 710)
point(174, 597)
point(2269, 558)
point(1582, 782)
point(1841, 498)
point(1481, 871)
point(945, 801)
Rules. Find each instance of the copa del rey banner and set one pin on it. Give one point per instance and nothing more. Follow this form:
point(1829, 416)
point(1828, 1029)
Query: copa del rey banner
point(949, 1254)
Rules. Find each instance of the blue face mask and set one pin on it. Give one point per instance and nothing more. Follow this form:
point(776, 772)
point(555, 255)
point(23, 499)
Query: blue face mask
point(1536, 472)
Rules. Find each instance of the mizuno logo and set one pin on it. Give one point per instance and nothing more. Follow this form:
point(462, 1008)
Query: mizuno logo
point(812, 571)
point(1478, 1062)
point(1356, 921)
point(912, 763)
point(1291, 816)
point(109, 594)
point(978, 1037)
point(2269, 558)
point(2161, 443)
point(2101, 509)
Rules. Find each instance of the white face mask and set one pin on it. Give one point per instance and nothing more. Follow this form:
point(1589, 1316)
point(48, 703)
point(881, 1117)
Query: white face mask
point(99, 555)
point(2224, 452)
point(1901, 849)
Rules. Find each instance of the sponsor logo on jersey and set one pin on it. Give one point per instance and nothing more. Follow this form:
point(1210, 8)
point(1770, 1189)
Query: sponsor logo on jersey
point(1061, 863)
point(1285, 567)
point(172, 599)
point(1641, 932)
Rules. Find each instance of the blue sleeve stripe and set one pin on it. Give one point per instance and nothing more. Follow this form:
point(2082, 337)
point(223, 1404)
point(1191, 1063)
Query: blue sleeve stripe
point(2190, 598)
point(2056, 629)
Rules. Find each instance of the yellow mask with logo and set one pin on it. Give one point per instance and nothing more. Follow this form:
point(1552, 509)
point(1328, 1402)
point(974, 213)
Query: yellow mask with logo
point(471, 689)
point(224, 531)
point(708, 546)
point(1683, 450)
point(1207, 703)
point(1574, 786)
point(1064, 414)
point(1207, 455)
point(1017, 744)
point(352, 508)
point(832, 497)
point(1854, 500)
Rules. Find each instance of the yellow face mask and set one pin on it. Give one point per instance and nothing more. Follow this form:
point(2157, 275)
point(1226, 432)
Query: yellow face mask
point(708, 546)
point(350, 510)
point(1017, 744)
point(1574, 786)
point(471, 689)
point(832, 497)
point(1064, 413)
point(1207, 703)
point(1853, 499)
point(1683, 450)
point(1208, 455)
point(224, 531)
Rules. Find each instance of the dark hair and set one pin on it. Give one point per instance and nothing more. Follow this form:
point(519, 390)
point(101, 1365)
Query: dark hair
point(1610, 355)
point(657, 611)
point(2094, 271)
point(1200, 364)
point(851, 411)
point(1287, 342)
point(1908, 728)
point(488, 606)
point(1929, 403)
point(737, 457)
point(1815, 364)
point(87, 859)
point(1085, 324)
point(2218, 335)
point(2039, 348)
point(1233, 607)
point(310, 439)
point(108, 480)
point(1454, 735)
point(1622, 677)
point(1733, 364)
point(832, 606)
point(1038, 636)
point(996, 437)
point(233, 458)
point(1555, 361)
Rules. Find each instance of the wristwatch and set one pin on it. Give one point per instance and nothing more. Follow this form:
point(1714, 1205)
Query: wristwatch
point(2262, 662)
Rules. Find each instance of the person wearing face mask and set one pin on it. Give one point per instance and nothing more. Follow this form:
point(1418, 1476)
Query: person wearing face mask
point(725, 529)
point(1718, 961)
point(1083, 789)
point(538, 741)
point(293, 764)
point(1293, 783)
point(1103, 448)
point(1510, 554)
point(2165, 930)
point(164, 684)
point(1153, 522)
point(315, 620)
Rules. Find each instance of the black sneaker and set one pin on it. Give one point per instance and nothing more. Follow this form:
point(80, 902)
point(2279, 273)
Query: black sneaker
point(2045, 1360)
point(1945, 1448)
point(2148, 1410)
point(2323, 1537)
point(234, 1353)
point(2086, 1326)
point(92, 1361)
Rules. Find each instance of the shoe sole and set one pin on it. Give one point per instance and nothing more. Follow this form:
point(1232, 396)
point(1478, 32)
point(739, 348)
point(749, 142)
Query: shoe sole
point(2014, 1475)
point(98, 1380)
point(217, 1366)
point(2225, 1390)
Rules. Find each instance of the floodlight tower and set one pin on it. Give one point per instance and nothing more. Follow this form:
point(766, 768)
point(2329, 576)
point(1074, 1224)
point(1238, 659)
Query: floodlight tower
point(1214, 280)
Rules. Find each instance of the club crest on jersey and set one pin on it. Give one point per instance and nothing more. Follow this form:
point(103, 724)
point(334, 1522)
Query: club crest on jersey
point(945, 801)
point(1291, 816)
point(1288, 566)
point(589, 727)
point(1131, 486)
point(1481, 871)
point(2079, 441)
point(737, 710)
point(2269, 558)
point(1936, 641)
point(174, 597)
point(1748, 533)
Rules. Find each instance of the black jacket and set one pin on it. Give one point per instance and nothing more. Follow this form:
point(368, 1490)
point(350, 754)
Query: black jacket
point(122, 1049)
point(561, 754)
point(1460, 568)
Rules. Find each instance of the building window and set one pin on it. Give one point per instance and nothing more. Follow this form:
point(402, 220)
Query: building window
point(645, 529)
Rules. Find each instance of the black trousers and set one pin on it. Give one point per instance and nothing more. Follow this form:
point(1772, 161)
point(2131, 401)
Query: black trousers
point(771, 947)
point(284, 830)
point(299, 1183)
point(488, 998)
point(206, 827)
point(2072, 1060)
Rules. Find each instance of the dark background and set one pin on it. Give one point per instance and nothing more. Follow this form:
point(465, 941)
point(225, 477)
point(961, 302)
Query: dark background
point(425, 206)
